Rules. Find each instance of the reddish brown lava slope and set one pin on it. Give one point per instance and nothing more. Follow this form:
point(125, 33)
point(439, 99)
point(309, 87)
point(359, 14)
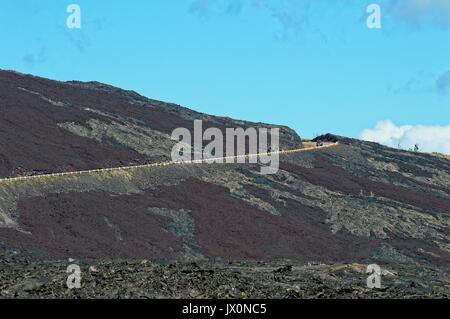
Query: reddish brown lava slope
point(356, 202)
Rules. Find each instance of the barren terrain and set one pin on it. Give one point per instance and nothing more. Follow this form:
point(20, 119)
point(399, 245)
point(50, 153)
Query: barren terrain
point(355, 204)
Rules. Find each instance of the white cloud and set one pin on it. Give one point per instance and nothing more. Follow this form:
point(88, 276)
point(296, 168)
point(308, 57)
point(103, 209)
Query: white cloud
point(418, 11)
point(294, 15)
point(429, 138)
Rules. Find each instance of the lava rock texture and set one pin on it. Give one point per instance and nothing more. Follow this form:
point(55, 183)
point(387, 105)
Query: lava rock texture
point(354, 204)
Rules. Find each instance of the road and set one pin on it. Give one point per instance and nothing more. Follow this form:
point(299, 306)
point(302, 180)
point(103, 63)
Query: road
point(203, 161)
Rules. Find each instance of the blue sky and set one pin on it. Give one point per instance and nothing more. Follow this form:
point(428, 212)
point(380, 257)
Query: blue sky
point(310, 64)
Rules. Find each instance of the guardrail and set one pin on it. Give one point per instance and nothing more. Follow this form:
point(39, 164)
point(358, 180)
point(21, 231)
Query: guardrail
point(202, 161)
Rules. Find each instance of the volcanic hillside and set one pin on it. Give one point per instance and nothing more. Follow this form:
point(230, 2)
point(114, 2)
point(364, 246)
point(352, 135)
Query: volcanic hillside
point(356, 202)
point(50, 126)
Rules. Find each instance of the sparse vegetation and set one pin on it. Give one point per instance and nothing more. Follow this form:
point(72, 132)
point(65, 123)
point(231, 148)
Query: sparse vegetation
point(441, 155)
point(309, 144)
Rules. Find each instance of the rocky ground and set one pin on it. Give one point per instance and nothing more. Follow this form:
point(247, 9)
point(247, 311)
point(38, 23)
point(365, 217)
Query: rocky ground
point(354, 204)
point(21, 277)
